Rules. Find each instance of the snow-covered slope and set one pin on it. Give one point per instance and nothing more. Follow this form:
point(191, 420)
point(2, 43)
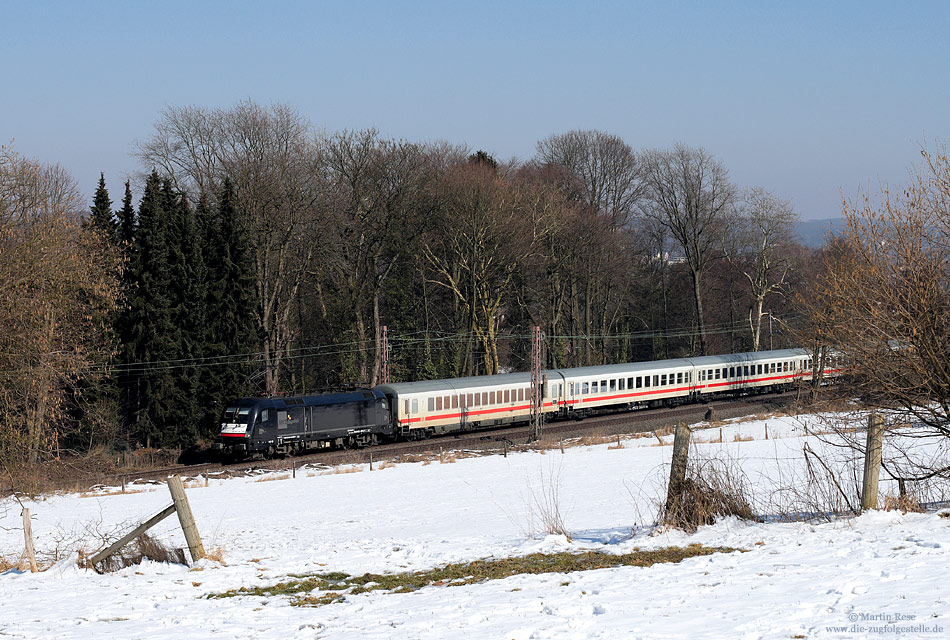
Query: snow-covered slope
point(846, 578)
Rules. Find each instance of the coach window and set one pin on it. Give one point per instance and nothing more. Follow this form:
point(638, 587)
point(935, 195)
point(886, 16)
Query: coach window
point(603, 386)
point(656, 381)
point(415, 405)
point(406, 407)
point(613, 385)
point(585, 387)
point(431, 404)
point(455, 402)
point(438, 403)
point(663, 380)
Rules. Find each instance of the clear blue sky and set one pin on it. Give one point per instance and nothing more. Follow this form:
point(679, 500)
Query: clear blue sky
point(806, 99)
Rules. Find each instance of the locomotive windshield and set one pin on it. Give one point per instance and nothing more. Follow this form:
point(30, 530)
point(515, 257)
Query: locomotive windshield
point(237, 414)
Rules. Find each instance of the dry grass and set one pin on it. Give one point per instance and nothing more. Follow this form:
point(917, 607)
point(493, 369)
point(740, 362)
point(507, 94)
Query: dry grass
point(338, 470)
point(216, 554)
point(712, 489)
point(6, 564)
point(142, 548)
point(741, 438)
point(112, 492)
point(270, 477)
point(902, 503)
point(388, 464)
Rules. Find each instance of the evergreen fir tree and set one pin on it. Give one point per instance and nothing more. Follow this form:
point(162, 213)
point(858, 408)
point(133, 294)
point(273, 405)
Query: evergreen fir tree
point(188, 312)
point(229, 304)
point(101, 216)
point(151, 336)
point(125, 231)
point(231, 295)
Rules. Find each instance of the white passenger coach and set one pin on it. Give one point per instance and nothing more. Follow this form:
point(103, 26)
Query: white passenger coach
point(431, 407)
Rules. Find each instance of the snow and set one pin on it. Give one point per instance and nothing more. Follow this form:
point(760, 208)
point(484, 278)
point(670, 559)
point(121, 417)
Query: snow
point(848, 578)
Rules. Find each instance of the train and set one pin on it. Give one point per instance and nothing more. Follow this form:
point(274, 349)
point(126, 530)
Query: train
point(417, 410)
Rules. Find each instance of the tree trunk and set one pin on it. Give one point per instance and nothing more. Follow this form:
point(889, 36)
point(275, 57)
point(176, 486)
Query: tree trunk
point(700, 322)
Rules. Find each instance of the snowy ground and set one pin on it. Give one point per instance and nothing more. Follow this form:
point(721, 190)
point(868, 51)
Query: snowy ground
point(880, 575)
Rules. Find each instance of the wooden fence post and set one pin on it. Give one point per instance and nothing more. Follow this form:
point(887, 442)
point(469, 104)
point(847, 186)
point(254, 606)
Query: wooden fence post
point(506, 448)
point(872, 462)
point(678, 465)
point(185, 517)
point(28, 540)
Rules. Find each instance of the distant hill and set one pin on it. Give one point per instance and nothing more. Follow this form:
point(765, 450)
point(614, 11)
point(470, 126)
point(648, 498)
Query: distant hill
point(812, 233)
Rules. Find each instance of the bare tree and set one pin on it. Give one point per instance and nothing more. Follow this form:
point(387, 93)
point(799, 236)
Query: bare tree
point(609, 175)
point(378, 193)
point(58, 283)
point(486, 228)
point(691, 196)
point(269, 155)
point(602, 174)
point(883, 302)
point(760, 252)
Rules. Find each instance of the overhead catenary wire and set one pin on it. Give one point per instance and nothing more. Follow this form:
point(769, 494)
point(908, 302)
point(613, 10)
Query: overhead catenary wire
point(396, 341)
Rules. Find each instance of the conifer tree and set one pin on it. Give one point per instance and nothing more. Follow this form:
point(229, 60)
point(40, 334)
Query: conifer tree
point(101, 216)
point(188, 312)
point(126, 218)
point(151, 336)
point(229, 299)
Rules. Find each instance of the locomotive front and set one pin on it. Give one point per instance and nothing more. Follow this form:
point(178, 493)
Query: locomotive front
point(237, 426)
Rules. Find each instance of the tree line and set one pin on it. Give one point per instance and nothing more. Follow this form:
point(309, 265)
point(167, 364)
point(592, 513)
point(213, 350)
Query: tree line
point(264, 257)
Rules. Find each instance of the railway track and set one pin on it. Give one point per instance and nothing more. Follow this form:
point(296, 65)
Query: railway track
point(494, 440)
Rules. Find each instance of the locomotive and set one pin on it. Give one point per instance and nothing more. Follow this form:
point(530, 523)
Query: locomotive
point(271, 426)
point(416, 410)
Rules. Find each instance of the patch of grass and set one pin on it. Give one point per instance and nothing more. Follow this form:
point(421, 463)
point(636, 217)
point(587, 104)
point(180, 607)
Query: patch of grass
point(314, 590)
point(904, 504)
point(271, 477)
point(338, 470)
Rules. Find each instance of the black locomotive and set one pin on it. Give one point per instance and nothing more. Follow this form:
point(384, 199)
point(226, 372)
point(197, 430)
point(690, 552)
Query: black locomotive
point(280, 426)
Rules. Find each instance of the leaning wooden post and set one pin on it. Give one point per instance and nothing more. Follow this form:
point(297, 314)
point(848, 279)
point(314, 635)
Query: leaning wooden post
point(678, 465)
point(187, 520)
point(872, 462)
point(28, 540)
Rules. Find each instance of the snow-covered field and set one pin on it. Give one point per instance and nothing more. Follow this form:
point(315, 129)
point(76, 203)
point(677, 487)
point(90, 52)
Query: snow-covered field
point(879, 575)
